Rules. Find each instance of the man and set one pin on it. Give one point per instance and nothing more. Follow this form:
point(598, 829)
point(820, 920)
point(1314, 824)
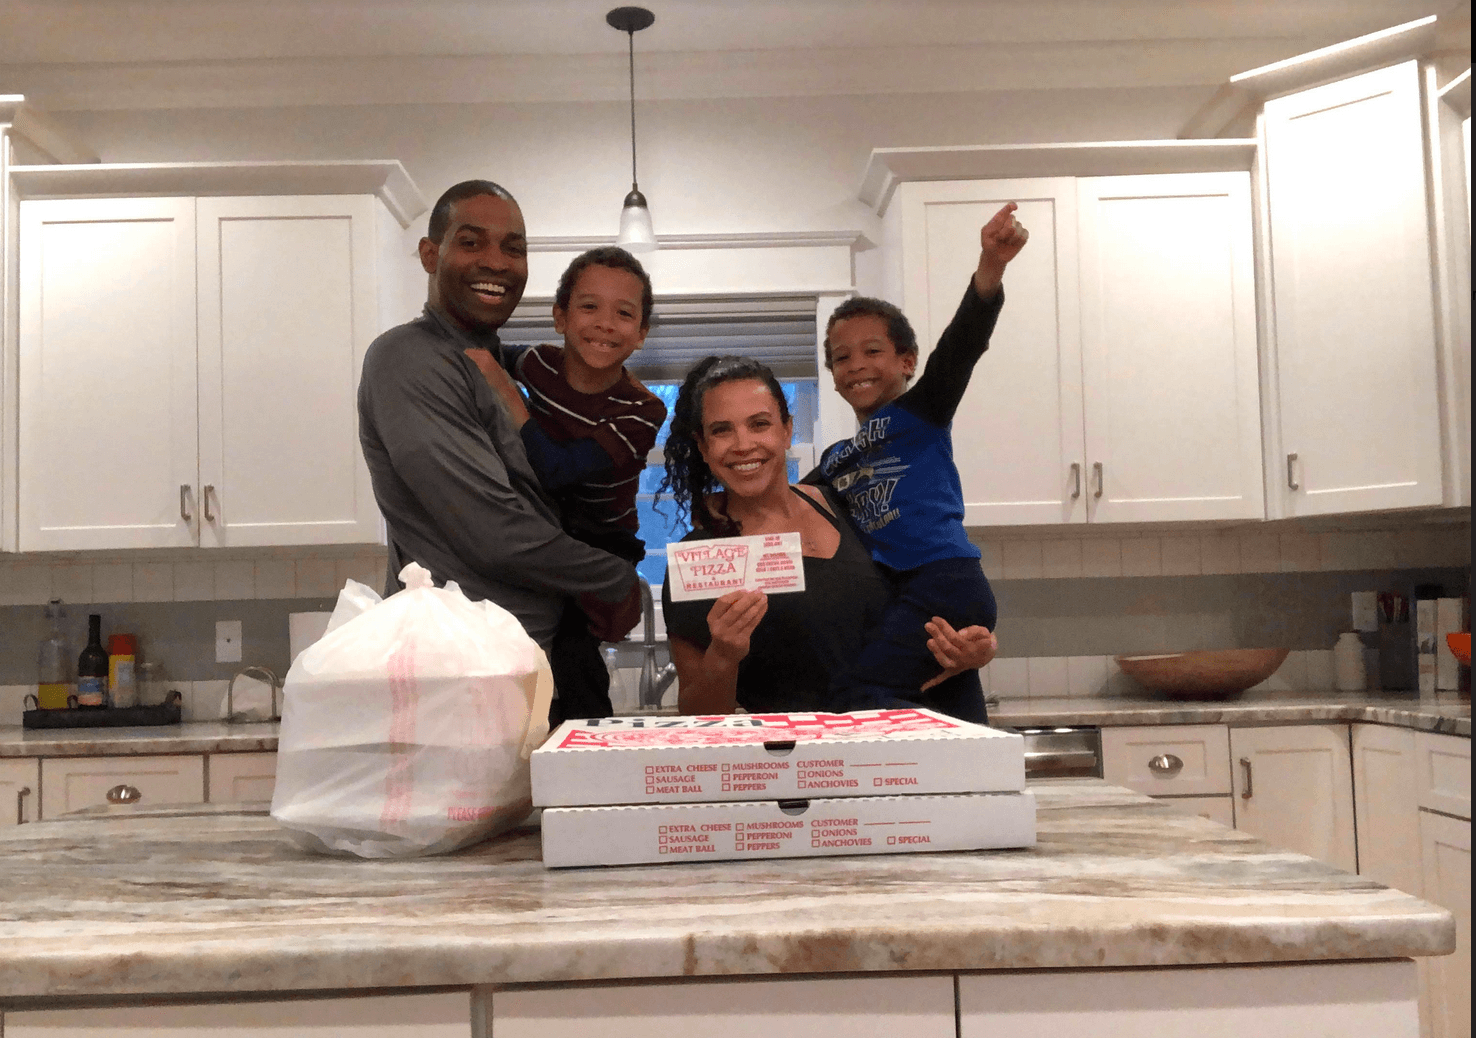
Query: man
point(448, 465)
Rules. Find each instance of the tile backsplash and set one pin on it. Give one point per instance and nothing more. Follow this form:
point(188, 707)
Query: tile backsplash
point(1069, 601)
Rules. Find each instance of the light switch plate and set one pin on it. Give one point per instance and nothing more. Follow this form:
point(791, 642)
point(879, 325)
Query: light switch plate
point(228, 641)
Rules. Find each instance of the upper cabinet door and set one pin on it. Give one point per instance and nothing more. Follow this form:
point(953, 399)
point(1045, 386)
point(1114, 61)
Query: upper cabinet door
point(107, 452)
point(287, 306)
point(1018, 432)
point(1353, 310)
point(1168, 339)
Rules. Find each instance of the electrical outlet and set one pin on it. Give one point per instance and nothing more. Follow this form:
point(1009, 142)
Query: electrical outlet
point(228, 641)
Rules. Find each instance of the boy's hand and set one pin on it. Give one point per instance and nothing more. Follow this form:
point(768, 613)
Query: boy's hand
point(501, 383)
point(958, 651)
point(1000, 240)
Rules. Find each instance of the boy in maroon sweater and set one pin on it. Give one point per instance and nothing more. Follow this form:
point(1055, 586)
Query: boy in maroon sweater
point(593, 425)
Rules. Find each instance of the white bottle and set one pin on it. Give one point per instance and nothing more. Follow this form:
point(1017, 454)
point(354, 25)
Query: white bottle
point(1349, 672)
point(621, 699)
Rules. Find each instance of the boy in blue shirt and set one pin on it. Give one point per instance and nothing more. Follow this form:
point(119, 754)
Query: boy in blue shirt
point(901, 486)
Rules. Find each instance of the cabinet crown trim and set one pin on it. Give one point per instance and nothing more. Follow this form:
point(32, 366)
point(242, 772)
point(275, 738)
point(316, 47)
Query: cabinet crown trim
point(889, 167)
point(1365, 53)
point(384, 178)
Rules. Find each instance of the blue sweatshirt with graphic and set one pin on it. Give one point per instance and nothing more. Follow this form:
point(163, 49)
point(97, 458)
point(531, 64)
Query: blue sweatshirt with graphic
point(897, 474)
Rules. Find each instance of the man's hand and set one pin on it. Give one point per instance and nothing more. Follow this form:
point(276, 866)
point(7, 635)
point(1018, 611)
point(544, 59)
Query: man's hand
point(958, 651)
point(731, 621)
point(501, 383)
point(1000, 240)
point(610, 622)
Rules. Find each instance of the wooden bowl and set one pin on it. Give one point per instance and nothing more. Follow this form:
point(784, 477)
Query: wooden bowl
point(1212, 674)
point(1460, 645)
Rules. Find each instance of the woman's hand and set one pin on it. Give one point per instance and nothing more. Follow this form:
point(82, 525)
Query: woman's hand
point(731, 622)
point(707, 679)
point(958, 651)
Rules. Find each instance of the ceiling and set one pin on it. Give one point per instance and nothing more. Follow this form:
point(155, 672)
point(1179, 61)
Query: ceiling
point(204, 53)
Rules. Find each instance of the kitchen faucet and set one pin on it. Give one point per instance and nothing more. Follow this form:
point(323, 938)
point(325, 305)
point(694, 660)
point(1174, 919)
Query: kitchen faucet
point(654, 681)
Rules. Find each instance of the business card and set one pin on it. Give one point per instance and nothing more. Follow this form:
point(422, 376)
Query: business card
point(768, 562)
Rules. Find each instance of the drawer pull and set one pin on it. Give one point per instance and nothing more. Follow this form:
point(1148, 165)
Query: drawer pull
point(124, 794)
point(1165, 764)
point(20, 804)
point(1245, 770)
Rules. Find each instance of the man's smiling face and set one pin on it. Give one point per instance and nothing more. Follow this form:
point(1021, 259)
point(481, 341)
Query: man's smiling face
point(479, 268)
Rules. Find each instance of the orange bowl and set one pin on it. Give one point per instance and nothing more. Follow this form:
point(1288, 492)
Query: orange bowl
point(1213, 674)
point(1460, 646)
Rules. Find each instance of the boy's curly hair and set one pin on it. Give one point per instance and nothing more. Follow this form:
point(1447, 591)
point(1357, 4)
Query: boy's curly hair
point(899, 329)
point(614, 257)
point(688, 479)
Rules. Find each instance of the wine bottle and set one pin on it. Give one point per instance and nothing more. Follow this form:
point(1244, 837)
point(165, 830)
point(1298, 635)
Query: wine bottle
point(92, 668)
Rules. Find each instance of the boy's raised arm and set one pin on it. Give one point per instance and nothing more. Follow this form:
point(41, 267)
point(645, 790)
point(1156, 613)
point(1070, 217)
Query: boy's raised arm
point(1000, 240)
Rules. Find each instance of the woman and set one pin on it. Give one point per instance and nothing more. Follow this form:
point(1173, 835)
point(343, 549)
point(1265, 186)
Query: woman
point(731, 429)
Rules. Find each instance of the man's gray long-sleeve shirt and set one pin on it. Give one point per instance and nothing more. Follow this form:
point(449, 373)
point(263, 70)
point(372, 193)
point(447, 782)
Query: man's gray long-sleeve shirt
point(454, 485)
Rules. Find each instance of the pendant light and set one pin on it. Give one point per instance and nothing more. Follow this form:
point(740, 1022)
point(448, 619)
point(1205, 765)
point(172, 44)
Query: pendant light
point(636, 232)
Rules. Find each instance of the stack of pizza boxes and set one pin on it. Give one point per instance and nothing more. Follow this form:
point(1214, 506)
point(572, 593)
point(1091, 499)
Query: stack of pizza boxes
point(653, 789)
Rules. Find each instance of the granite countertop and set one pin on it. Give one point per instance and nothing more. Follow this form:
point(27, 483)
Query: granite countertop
point(1447, 715)
point(219, 899)
point(191, 737)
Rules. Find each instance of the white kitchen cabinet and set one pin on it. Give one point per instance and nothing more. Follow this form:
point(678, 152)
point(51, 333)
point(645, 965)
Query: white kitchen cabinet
point(1168, 345)
point(875, 1006)
point(189, 368)
point(1018, 431)
point(20, 790)
point(1443, 773)
point(1168, 760)
point(1281, 1000)
point(1445, 851)
point(74, 783)
point(1294, 789)
point(1386, 805)
point(1354, 350)
point(445, 1014)
point(1121, 382)
point(236, 778)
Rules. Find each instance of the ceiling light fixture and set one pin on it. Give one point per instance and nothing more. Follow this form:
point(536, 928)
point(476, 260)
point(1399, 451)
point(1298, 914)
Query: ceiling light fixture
point(636, 233)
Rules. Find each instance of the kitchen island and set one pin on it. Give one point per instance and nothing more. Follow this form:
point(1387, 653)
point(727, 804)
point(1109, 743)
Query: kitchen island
point(215, 903)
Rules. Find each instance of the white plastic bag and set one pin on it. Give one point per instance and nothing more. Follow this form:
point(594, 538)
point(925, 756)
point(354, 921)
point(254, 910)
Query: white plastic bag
point(406, 729)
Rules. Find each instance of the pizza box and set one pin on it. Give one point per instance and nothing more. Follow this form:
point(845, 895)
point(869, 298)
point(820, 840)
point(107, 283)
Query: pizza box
point(655, 834)
point(665, 760)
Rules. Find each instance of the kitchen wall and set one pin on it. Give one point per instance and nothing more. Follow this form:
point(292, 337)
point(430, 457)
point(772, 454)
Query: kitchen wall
point(1068, 601)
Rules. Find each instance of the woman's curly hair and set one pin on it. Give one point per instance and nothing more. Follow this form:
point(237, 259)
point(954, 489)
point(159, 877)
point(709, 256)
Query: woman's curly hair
point(688, 479)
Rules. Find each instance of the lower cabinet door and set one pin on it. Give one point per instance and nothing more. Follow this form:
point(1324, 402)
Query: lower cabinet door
point(841, 1007)
point(444, 1014)
point(74, 783)
point(1386, 805)
point(20, 789)
point(1294, 789)
point(1295, 1000)
point(238, 778)
point(1446, 855)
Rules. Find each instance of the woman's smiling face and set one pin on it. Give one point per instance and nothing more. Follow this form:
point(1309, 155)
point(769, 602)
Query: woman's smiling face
point(744, 440)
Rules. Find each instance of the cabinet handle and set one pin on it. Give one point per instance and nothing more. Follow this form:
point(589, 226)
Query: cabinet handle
point(1101, 480)
point(1165, 764)
point(124, 794)
point(1291, 479)
point(1075, 480)
point(1245, 772)
point(184, 503)
point(20, 804)
point(205, 499)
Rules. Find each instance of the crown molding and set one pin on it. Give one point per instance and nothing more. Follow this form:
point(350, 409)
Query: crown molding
point(889, 167)
point(30, 123)
point(1390, 46)
point(385, 178)
point(674, 242)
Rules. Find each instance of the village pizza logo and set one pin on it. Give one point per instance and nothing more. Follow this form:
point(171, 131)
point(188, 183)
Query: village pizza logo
point(749, 729)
